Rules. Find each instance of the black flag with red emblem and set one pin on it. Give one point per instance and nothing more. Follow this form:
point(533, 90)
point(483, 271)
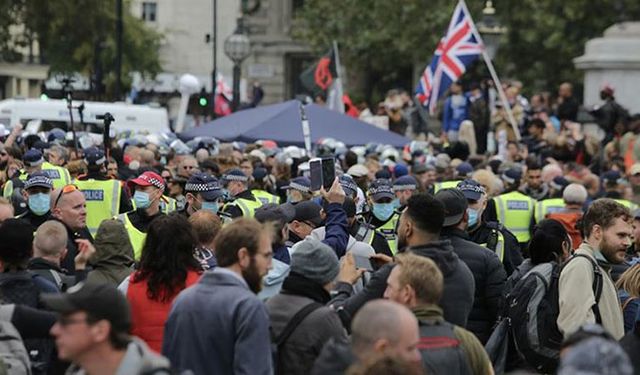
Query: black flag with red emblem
point(318, 78)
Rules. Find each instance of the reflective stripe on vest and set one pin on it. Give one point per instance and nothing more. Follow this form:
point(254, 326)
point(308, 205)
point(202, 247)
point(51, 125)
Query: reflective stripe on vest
point(445, 185)
point(388, 230)
point(265, 197)
point(168, 206)
point(136, 237)
point(630, 205)
point(515, 211)
point(499, 250)
point(247, 206)
point(8, 186)
point(59, 175)
point(102, 201)
point(548, 206)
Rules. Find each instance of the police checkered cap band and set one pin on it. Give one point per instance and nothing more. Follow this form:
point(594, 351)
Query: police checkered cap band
point(383, 189)
point(153, 181)
point(404, 187)
point(349, 185)
point(508, 179)
point(34, 162)
point(97, 162)
point(38, 181)
point(470, 187)
point(297, 186)
point(235, 177)
point(210, 186)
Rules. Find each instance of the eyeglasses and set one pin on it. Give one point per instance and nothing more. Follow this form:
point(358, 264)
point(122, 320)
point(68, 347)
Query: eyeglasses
point(66, 189)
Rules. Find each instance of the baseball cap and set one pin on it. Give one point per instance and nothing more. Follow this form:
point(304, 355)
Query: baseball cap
point(93, 156)
point(381, 188)
point(348, 185)
point(405, 183)
point(41, 145)
point(358, 170)
point(559, 183)
point(301, 183)
point(308, 211)
point(455, 204)
point(384, 173)
point(471, 189)
point(422, 168)
point(101, 301)
point(260, 173)
point(611, 176)
point(512, 176)
point(33, 158)
point(147, 179)
point(235, 175)
point(40, 179)
point(205, 185)
point(400, 170)
point(274, 212)
point(464, 169)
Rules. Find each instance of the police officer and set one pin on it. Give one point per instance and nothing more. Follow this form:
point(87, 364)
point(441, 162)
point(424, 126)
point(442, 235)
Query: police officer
point(260, 187)
point(298, 190)
point(32, 160)
point(105, 197)
point(383, 215)
point(203, 192)
point(37, 194)
point(244, 203)
point(59, 175)
point(513, 209)
point(148, 189)
point(463, 170)
point(492, 235)
point(404, 187)
point(553, 204)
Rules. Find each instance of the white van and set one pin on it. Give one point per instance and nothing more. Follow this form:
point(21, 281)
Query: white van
point(53, 113)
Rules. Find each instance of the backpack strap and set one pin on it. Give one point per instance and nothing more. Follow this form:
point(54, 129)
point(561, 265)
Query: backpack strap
point(295, 322)
point(597, 286)
point(627, 301)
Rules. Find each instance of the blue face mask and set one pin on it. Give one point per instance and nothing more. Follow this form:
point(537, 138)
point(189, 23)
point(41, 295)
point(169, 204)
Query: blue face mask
point(39, 203)
point(141, 199)
point(473, 217)
point(396, 203)
point(210, 206)
point(383, 211)
point(290, 199)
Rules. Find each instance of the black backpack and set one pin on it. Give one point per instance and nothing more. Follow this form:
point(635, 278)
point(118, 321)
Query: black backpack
point(277, 342)
point(533, 309)
point(440, 349)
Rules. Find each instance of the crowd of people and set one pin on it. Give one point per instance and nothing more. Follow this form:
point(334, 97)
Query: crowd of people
point(155, 255)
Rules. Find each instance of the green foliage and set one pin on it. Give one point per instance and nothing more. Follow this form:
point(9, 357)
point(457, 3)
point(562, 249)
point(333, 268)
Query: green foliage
point(381, 38)
point(70, 32)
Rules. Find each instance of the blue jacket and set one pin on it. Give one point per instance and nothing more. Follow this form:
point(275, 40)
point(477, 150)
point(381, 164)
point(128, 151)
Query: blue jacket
point(218, 326)
point(631, 311)
point(336, 229)
point(455, 111)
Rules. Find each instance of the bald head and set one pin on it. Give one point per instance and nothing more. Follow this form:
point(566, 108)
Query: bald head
point(70, 208)
point(206, 225)
point(396, 331)
point(575, 194)
point(50, 240)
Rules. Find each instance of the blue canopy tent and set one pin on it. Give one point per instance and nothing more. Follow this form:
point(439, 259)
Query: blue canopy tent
point(281, 123)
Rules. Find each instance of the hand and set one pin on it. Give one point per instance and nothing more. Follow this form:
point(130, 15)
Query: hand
point(348, 271)
point(85, 252)
point(335, 194)
point(382, 259)
point(17, 128)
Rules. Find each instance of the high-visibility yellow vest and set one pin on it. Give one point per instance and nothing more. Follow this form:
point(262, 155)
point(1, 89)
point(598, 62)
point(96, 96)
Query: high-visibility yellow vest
point(247, 206)
point(548, 206)
point(136, 237)
point(628, 204)
point(166, 207)
point(265, 197)
point(7, 191)
point(445, 185)
point(499, 247)
point(102, 199)
point(388, 230)
point(515, 211)
point(59, 176)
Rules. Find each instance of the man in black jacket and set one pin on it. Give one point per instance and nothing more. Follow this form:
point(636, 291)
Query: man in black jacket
point(488, 273)
point(419, 232)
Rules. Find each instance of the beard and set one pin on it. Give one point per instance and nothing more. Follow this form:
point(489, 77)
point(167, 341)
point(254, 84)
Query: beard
point(252, 276)
point(611, 252)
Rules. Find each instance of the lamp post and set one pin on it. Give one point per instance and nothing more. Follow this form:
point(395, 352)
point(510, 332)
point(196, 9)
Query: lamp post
point(490, 29)
point(237, 47)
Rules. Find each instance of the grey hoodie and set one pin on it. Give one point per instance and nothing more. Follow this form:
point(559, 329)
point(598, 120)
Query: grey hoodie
point(138, 360)
point(114, 255)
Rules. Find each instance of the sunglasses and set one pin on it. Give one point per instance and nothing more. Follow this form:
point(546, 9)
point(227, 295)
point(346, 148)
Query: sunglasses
point(66, 189)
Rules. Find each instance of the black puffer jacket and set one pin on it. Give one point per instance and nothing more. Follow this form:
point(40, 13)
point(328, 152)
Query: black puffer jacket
point(489, 276)
point(457, 296)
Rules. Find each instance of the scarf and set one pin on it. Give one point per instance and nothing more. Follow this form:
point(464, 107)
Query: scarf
point(297, 284)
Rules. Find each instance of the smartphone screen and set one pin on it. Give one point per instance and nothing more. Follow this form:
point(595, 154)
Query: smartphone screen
point(328, 172)
point(315, 173)
point(363, 262)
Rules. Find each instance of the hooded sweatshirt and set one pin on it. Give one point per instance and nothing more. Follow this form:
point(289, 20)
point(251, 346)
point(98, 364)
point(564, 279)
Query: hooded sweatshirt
point(113, 259)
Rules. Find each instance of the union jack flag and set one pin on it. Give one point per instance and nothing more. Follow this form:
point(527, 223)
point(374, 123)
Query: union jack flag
point(455, 52)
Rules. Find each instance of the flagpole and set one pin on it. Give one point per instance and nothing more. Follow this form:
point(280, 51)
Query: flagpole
point(337, 55)
point(306, 129)
point(336, 90)
point(494, 75)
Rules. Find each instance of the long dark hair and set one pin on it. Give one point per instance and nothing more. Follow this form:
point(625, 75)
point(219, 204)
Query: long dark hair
point(167, 256)
point(546, 242)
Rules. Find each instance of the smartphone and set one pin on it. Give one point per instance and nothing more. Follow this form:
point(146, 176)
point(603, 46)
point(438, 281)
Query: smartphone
point(328, 172)
point(315, 173)
point(363, 262)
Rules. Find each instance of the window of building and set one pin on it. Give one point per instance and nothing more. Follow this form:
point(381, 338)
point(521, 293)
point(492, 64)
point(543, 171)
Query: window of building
point(149, 10)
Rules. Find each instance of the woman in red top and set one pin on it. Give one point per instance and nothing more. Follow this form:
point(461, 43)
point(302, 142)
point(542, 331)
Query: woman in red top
point(167, 266)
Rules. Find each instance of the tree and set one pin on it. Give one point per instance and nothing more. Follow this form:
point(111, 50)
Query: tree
point(79, 36)
point(379, 39)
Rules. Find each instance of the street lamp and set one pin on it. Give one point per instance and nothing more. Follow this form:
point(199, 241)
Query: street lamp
point(237, 47)
point(490, 29)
